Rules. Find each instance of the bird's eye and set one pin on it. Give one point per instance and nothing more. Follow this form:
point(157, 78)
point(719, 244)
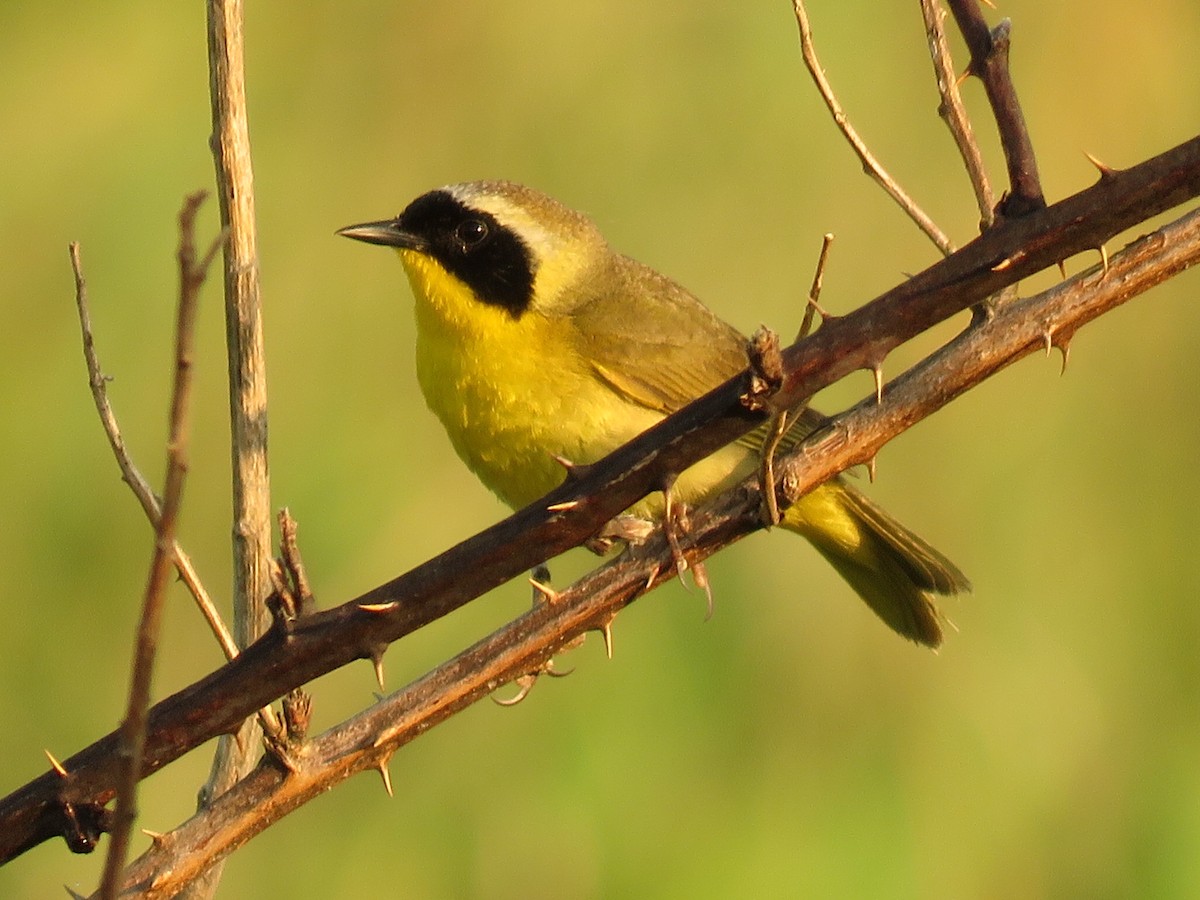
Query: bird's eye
point(470, 233)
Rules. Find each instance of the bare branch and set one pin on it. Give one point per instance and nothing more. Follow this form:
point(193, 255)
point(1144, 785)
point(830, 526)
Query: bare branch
point(133, 728)
point(989, 62)
point(247, 371)
point(952, 112)
point(870, 164)
point(130, 472)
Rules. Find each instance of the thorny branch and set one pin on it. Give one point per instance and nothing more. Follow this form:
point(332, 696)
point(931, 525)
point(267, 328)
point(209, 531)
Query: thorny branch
point(287, 657)
point(295, 651)
point(369, 740)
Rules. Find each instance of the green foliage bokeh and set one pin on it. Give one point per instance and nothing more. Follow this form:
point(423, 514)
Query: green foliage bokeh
point(789, 747)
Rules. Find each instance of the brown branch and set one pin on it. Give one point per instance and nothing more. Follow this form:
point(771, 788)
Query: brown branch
point(247, 373)
point(951, 110)
point(368, 741)
point(133, 728)
point(130, 473)
point(870, 164)
point(989, 62)
point(290, 656)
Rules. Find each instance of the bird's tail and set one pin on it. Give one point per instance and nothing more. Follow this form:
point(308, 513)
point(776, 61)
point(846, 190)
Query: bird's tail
point(894, 571)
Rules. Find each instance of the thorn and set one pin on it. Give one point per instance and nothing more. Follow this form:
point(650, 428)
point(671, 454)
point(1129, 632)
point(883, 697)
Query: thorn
point(379, 607)
point(877, 374)
point(1103, 261)
point(966, 73)
point(871, 468)
point(382, 768)
point(1105, 171)
point(1050, 341)
point(377, 664)
point(606, 633)
point(653, 577)
point(575, 471)
point(1004, 264)
point(75, 895)
point(156, 837)
point(1064, 347)
point(700, 577)
point(562, 507)
point(548, 593)
point(160, 879)
point(240, 739)
point(1062, 269)
point(59, 768)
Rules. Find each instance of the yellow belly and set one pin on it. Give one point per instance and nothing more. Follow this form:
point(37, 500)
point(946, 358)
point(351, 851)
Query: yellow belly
point(513, 394)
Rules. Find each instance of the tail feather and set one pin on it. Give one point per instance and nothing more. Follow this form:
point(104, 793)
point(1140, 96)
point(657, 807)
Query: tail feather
point(896, 572)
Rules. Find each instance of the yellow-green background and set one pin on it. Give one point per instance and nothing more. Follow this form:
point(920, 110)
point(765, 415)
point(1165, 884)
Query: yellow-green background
point(789, 747)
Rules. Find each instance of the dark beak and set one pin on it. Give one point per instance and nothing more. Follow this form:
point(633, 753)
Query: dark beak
point(387, 234)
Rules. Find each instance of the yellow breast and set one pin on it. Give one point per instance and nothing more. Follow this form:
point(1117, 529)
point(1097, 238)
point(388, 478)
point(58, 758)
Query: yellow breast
point(512, 393)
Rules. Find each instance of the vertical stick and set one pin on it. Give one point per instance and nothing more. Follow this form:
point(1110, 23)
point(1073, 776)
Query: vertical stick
point(133, 727)
point(247, 376)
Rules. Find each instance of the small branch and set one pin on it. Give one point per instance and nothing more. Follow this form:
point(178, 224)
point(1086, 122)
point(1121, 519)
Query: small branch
point(813, 305)
point(367, 741)
point(130, 473)
point(133, 729)
point(137, 482)
point(989, 63)
point(870, 164)
point(951, 110)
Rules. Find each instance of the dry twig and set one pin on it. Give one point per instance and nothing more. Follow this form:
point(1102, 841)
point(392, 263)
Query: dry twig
point(252, 558)
point(870, 164)
point(989, 62)
point(129, 471)
point(133, 729)
point(951, 110)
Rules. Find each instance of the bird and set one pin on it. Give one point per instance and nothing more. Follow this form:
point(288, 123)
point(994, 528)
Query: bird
point(537, 342)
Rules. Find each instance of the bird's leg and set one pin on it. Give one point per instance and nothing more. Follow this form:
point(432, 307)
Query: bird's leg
point(526, 682)
point(675, 523)
point(624, 528)
point(766, 470)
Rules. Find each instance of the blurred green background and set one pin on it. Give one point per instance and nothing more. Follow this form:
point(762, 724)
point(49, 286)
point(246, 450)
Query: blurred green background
point(789, 747)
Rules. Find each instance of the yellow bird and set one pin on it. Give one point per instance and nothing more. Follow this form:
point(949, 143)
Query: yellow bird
point(537, 340)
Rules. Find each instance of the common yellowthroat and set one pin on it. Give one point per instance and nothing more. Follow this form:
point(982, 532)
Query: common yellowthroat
point(536, 340)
